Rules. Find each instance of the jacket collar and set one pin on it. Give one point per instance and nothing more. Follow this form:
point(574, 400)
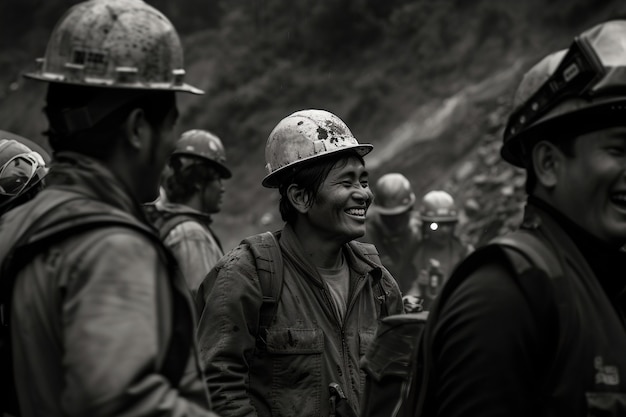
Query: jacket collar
point(293, 251)
point(86, 176)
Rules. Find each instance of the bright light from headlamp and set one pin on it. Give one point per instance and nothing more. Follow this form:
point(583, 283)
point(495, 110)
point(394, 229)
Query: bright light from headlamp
point(434, 226)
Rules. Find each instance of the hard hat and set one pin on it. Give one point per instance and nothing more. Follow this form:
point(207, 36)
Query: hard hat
point(33, 146)
point(203, 144)
point(394, 194)
point(438, 206)
point(20, 169)
point(115, 43)
point(574, 91)
point(303, 136)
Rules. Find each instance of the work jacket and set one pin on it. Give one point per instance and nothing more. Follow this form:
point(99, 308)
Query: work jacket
point(306, 346)
point(396, 249)
point(187, 233)
point(555, 348)
point(93, 314)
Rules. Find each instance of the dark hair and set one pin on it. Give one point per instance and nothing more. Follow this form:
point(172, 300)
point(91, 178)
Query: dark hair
point(564, 144)
point(310, 177)
point(181, 184)
point(96, 141)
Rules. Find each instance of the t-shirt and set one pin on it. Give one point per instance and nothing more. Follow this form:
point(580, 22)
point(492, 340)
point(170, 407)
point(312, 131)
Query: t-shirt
point(338, 280)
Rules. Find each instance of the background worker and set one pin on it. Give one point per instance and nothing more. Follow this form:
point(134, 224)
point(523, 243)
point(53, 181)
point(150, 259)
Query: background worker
point(272, 345)
point(100, 323)
point(393, 228)
point(439, 249)
point(22, 171)
point(193, 189)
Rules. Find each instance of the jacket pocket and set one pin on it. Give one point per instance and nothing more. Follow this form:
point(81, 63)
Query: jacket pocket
point(601, 404)
point(296, 367)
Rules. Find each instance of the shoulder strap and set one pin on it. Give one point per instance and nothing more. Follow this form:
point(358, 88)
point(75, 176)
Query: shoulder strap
point(523, 252)
point(369, 253)
point(33, 242)
point(269, 266)
point(166, 223)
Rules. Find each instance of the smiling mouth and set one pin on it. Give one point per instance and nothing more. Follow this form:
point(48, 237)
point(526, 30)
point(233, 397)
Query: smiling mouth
point(619, 199)
point(359, 212)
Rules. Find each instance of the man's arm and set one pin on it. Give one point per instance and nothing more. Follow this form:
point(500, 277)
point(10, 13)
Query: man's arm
point(231, 299)
point(486, 349)
point(114, 330)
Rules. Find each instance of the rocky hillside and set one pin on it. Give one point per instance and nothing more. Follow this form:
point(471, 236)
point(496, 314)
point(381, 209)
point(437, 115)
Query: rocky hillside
point(428, 82)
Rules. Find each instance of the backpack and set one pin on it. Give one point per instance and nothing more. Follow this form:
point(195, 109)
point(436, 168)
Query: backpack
point(269, 266)
point(32, 242)
point(398, 363)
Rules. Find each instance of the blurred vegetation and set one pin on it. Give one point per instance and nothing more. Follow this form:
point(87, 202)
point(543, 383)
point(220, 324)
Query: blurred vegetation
point(374, 63)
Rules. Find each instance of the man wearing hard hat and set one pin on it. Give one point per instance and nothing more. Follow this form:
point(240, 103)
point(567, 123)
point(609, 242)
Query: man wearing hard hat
point(439, 250)
point(533, 324)
point(100, 322)
point(393, 228)
point(285, 317)
point(193, 188)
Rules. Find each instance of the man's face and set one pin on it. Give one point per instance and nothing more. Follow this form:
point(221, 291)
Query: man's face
point(212, 191)
point(338, 212)
point(591, 187)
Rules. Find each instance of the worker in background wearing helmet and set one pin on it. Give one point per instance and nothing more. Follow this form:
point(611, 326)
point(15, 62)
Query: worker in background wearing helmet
point(22, 171)
point(535, 323)
point(440, 249)
point(393, 228)
point(193, 187)
point(279, 358)
point(101, 323)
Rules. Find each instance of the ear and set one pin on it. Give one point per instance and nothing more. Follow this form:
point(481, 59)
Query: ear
point(298, 198)
point(137, 129)
point(547, 161)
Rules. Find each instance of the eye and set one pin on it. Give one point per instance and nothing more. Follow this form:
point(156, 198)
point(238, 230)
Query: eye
point(616, 150)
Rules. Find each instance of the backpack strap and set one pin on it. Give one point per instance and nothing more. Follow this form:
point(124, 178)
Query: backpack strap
point(536, 270)
point(269, 266)
point(369, 254)
point(31, 243)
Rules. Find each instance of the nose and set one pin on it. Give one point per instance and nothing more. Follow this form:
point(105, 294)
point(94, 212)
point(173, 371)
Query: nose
point(363, 195)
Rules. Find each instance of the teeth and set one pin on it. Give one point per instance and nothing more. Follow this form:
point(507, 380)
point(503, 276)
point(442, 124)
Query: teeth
point(356, 212)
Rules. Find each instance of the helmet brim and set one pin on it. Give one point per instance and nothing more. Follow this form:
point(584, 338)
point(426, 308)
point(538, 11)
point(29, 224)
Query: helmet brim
point(392, 211)
point(273, 180)
point(600, 114)
point(107, 83)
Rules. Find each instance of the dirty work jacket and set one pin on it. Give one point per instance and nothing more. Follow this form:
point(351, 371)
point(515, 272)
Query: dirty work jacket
point(192, 242)
point(306, 348)
point(497, 355)
point(396, 250)
point(92, 315)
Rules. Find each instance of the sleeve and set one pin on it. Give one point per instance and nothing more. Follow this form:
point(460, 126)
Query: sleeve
point(195, 250)
point(231, 300)
point(113, 333)
point(486, 349)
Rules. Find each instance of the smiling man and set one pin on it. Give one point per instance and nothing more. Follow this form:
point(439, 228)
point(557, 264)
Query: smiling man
point(534, 323)
point(325, 300)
